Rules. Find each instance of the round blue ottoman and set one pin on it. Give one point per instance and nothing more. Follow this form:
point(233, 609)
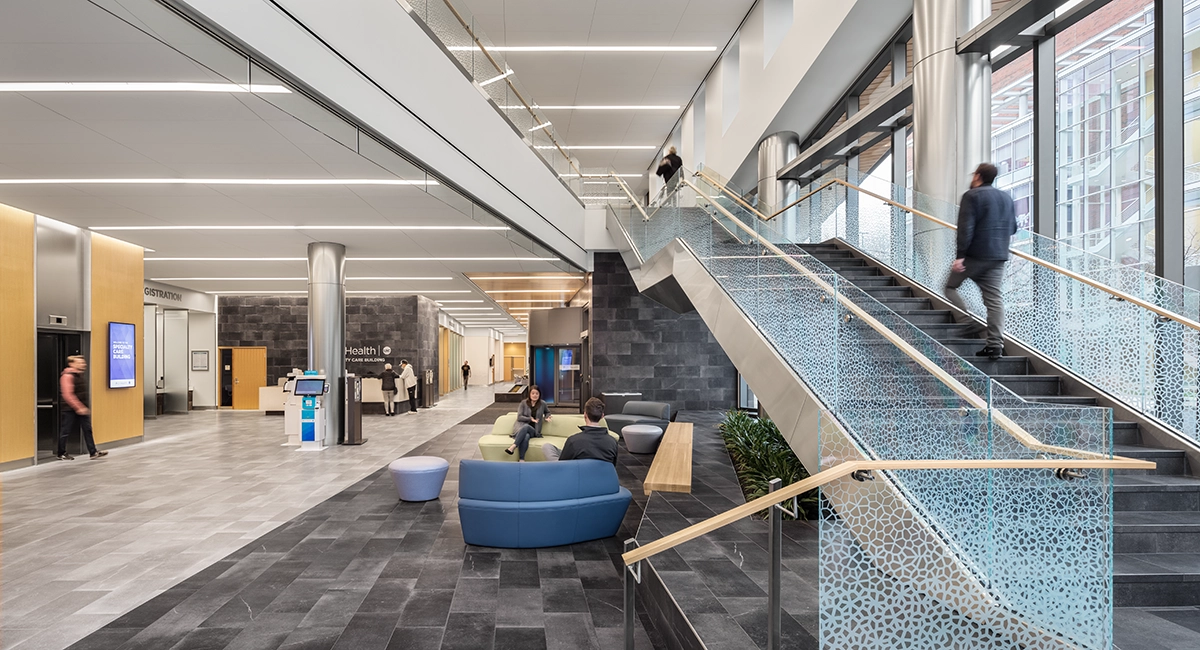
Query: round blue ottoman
point(419, 478)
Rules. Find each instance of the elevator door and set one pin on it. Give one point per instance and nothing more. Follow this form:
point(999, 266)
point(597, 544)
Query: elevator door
point(566, 379)
point(53, 348)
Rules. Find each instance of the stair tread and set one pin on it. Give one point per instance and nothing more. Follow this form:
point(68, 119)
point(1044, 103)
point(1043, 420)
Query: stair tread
point(1138, 567)
point(1155, 483)
point(1167, 520)
point(1145, 452)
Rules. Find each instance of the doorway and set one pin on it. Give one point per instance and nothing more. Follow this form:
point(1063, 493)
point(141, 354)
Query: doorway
point(243, 372)
point(53, 348)
point(556, 371)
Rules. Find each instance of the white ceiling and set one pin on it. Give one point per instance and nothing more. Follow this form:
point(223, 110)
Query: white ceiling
point(556, 78)
point(210, 135)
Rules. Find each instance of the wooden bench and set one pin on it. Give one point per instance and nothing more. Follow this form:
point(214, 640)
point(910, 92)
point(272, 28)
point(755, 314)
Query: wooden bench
point(671, 470)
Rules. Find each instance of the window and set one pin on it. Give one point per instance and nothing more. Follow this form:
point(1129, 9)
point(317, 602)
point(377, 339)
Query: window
point(1012, 133)
point(777, 21)
point(730, 81)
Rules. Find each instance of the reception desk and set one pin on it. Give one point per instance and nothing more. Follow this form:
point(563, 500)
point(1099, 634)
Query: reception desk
point(271, 398)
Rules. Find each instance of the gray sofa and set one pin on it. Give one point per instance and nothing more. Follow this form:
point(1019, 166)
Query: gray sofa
point(653, 413)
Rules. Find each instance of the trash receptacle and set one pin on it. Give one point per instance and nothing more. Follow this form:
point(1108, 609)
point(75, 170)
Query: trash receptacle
point(352, 410)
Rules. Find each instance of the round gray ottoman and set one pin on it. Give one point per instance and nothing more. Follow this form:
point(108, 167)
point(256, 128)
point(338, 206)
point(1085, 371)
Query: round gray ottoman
point(419, 478)
point(641, 438)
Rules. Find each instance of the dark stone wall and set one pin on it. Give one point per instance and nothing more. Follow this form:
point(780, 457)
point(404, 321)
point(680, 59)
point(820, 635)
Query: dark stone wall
point(406, 324)
point(641, 346)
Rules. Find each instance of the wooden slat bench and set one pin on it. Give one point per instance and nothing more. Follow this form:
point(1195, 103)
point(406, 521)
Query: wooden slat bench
point(671, 470)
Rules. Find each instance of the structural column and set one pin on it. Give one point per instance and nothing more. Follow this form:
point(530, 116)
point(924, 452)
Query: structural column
point(900, 162)
point(775, 151)
point(1045, 160)
point(327, 326)
point(952, 109)
point(1168, 140)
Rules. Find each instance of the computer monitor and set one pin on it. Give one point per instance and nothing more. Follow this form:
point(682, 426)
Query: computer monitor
point(309, 387)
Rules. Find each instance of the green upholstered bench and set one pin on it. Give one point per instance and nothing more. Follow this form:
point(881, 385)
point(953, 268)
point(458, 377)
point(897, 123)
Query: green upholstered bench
point(555, 431)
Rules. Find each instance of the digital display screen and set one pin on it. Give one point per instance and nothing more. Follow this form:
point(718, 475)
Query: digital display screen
point(122, 350)
point(309, 387)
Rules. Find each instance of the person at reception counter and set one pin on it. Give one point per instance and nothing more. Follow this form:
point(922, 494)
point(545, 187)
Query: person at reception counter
point(592, 441)
point(409, 380)
point(466, 371)
point(531, 413)
point(387, 380)
point(73, 384)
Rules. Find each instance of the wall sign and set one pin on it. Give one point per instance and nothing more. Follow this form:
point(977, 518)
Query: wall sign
point(122, 352)
point(368, 353)
point(199, 359)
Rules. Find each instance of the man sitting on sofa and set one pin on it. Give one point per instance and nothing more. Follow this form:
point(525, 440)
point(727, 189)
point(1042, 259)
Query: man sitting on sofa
point(592, 441)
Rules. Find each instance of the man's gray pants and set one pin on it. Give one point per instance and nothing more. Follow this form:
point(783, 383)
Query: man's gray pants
point(389, 402)
point(988, 275)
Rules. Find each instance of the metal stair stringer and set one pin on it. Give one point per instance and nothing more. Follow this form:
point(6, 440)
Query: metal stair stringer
point(932, 567)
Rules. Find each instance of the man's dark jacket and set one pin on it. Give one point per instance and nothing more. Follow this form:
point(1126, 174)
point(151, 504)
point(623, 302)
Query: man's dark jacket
point(987, 220)
point(590, 442)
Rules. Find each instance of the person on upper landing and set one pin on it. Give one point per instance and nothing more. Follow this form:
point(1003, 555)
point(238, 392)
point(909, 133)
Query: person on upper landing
point(669, 166)
point(592, 441)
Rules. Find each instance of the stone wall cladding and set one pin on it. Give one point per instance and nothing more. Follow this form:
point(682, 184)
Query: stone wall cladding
point(641, 346)
point(407, 324)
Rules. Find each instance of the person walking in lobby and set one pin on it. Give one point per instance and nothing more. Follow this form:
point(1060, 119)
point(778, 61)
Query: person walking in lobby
point(409, 380)
point(531, 413)
point(388, 385)
point(466, 371)
point(592, 441)
point(987, 220)
point(73, 384)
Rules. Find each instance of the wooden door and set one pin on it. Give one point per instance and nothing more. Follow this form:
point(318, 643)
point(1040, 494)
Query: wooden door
point(249, 374)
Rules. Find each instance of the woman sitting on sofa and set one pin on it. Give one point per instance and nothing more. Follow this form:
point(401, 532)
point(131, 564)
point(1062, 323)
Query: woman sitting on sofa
point(531, 413)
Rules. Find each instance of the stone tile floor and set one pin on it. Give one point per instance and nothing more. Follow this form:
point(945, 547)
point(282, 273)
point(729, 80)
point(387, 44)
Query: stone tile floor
point(363, 571)
point(85, 542)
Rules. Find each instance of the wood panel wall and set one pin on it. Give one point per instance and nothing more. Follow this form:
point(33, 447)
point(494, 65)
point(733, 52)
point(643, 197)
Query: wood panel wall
point(18, 336)
point(117, 273)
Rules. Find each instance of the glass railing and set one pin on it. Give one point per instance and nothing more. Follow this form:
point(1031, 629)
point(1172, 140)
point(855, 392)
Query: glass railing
point(1130, 333)
point(455, 27)
point(895, 393)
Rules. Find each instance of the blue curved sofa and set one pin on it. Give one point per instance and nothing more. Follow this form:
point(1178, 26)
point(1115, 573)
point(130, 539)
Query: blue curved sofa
point(535, 505)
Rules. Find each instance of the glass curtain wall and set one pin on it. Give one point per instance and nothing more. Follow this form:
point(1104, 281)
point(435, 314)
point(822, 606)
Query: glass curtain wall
point(1012, 133)
point(1191, 116)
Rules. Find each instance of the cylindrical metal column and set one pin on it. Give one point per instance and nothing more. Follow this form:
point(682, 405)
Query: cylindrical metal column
point(952, 101)
point(327, 326)
point(775, 151)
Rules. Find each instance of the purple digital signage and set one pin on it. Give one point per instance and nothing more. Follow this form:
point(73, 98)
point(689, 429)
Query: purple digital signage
point(122, 350)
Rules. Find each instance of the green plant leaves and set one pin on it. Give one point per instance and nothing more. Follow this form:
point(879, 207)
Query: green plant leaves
point(759, 454)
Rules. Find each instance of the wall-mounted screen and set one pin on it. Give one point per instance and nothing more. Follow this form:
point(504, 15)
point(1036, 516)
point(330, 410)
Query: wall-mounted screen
point(309, 387)
point(122, 350)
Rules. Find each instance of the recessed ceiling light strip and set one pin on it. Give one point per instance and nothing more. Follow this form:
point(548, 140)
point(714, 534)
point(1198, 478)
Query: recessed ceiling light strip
point(213, 181)
point(273, 227)
point(139, 87)
point(588, 48)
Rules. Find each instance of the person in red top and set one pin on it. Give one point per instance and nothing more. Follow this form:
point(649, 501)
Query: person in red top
point(73, 384)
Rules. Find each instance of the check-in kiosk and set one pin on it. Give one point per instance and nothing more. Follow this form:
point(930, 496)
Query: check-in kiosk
point(311, 389)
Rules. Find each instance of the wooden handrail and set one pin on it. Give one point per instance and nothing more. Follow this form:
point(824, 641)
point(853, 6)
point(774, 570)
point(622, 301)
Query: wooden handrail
point(1183, 320)
point(845, 469)
point(977, 402)
point(628, 192)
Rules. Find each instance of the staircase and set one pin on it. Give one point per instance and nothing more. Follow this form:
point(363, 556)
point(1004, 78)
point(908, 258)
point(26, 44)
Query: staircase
point(1156, 515)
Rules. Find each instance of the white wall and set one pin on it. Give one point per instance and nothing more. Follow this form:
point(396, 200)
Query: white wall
point(816, 60)
point(477, 348)
point(202, 335)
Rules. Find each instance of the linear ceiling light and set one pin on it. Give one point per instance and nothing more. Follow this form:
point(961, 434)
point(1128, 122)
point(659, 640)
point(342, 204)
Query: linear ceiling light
point(587, 48)
point(531, 277)
point(624, 107)
point(139, 87)
point(601, 147)
point(406, 292)
point(528, 301)
point(469, 309)
point(446, 302)
point(528, 291)
point(354, 259)
point(600, 175)
point(213, 181)
point(410, 292)
point(539, 127)
point(615, 197)
point(508, 72)
point(287, 279)
point(103, 228)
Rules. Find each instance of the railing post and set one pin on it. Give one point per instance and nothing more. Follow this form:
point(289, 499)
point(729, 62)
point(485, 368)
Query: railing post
point(631, 580)
point(775, 547)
